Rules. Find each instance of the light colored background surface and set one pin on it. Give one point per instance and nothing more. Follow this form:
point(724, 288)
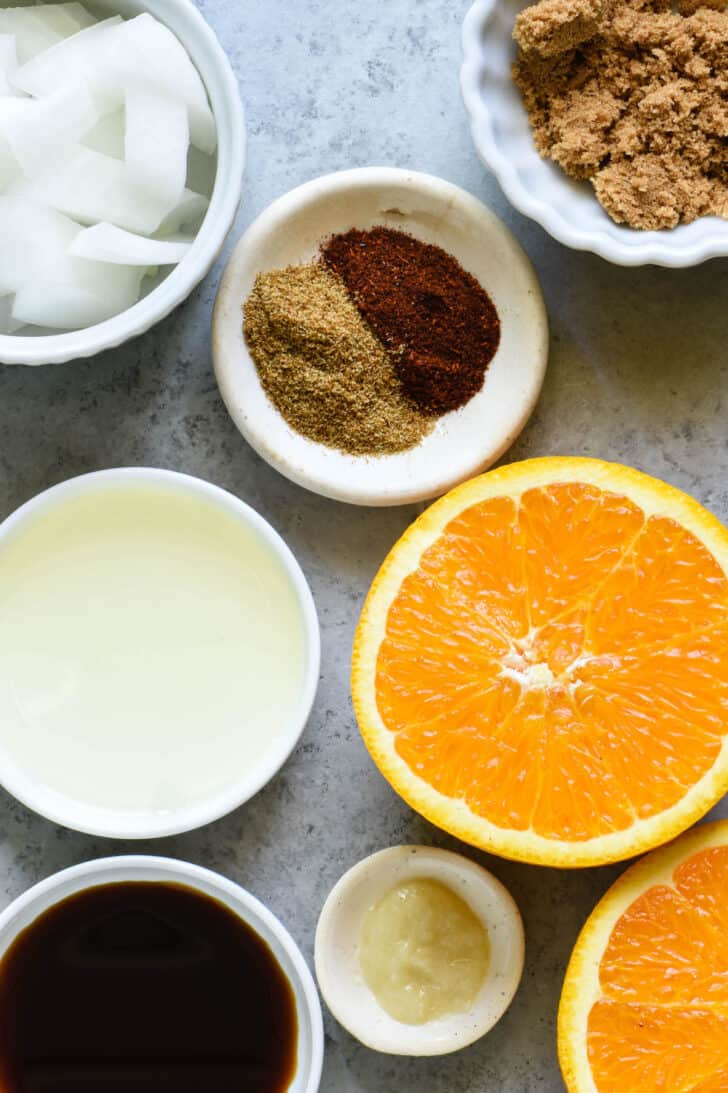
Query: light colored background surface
point(638, 372)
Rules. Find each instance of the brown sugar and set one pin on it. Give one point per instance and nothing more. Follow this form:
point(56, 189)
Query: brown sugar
point(632, 95)
point(554, 26)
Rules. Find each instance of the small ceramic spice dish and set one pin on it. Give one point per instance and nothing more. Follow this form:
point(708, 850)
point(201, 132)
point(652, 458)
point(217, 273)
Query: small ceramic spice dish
point(463, 442)
point(338, 937)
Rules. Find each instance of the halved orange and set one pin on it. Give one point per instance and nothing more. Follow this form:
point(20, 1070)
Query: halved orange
point(644, 1007)
point(541, 665)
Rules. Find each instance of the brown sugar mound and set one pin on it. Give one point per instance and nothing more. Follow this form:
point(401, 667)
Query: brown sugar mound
point(632, 95)
point(554, 26)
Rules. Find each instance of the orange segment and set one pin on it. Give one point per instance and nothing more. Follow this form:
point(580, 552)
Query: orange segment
point(645, 1001)
point(638, 1049)
point(418, 665)
point(703, 880)
point(580, 796)
point(541, 667)
point(717, 1083)
point(660, 715)
point(481, 556)
point(668, 583)
point(575, 534)
point(447, 757)
point(667, 951)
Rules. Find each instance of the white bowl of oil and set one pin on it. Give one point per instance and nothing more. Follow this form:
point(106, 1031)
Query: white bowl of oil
point(419, 951)
point(159, 653)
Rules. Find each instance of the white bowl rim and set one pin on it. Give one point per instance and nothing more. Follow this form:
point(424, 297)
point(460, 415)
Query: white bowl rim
point(426, 485)
point(119, 824)
point(197, 263)
point(656, 249)
point(100, 871)
point(383, 864)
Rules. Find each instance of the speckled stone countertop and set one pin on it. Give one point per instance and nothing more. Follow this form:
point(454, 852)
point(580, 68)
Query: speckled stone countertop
point(638, 373)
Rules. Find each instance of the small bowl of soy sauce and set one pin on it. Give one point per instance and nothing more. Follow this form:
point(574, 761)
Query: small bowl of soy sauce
point(152, 975)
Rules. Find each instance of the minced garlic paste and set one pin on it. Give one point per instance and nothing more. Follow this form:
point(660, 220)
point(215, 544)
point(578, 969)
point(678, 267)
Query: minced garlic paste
point(424, 953)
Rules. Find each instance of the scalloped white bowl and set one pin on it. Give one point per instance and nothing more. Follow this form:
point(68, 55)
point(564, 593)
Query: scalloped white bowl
point(182, 17)
point(568, 210)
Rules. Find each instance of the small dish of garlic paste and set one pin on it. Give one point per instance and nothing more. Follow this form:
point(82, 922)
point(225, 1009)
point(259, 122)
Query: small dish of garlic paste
point(419, 951)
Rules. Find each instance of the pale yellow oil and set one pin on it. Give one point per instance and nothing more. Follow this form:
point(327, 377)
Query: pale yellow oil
point(152, 648)
point(424, 953)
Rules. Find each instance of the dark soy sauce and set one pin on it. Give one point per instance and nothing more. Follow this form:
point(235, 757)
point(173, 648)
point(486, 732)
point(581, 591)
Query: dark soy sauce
point(144, 988)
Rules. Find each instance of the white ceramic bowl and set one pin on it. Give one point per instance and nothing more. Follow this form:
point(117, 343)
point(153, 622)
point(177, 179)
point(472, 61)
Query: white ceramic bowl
point(182, 17)
point(337, 950)
point(568, 210)
point(116, 822)
point(24, 910)
point(465, 442)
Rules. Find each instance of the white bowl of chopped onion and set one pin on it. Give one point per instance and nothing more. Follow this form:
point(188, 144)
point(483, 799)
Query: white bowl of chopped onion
point(122, 149)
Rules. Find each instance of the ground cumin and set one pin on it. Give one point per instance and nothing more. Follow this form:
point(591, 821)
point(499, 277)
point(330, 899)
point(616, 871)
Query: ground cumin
point(633, 95)
point(322, 367)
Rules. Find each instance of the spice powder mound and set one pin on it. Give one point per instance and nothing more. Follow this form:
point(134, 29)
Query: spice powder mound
point(435, 319)
point(323, 368)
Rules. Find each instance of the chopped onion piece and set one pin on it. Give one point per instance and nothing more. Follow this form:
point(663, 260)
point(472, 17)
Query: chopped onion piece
point(38, 134)
point(64, 19)
point(12, 111)
point(32, 34)
point(77, 13)
point(173, 68)
point(81, 14)
point(157, 139)
point(8, 175)
point(109, 135)
point(8, 63)
point(92, 187)
point(59, 306)
point(68, 304)
point(104, 278)
point(32, 240)
point(107, 243)
point(201, 171)
point(8, 325)
point(189, 214)
point(114, 56)
point(72, 59)
point(146, 54)
point(74, 292)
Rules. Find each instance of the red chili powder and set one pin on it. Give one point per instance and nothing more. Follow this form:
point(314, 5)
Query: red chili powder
point(434, 318)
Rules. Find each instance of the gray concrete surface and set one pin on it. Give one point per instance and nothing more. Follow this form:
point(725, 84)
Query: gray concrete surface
point(638, 373)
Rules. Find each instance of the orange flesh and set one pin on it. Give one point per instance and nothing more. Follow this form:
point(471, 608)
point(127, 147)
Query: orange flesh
point(559, 662)
point(662, 1021)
